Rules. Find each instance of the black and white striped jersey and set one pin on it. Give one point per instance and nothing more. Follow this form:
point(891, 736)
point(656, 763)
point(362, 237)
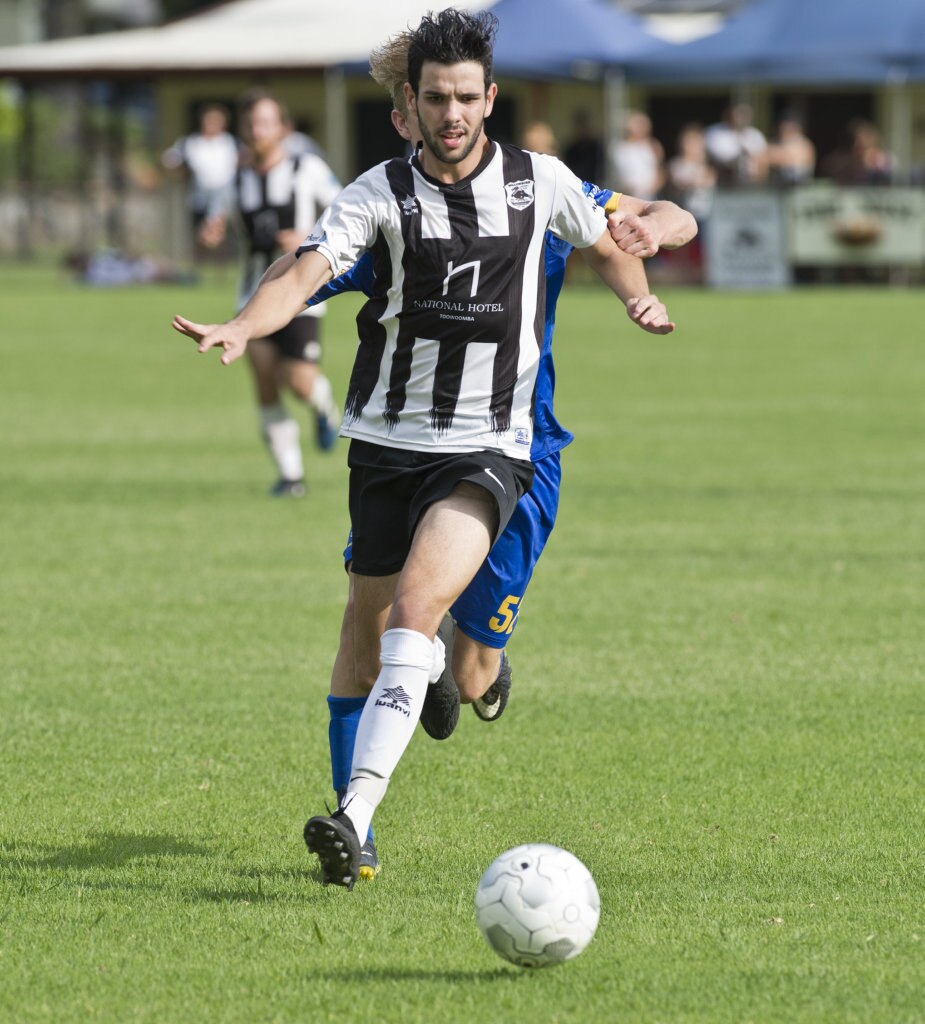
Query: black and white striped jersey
point(290, 196)
point(451, 339)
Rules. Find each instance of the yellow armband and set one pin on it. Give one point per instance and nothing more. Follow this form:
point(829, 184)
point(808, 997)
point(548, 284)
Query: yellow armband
point(612, 203)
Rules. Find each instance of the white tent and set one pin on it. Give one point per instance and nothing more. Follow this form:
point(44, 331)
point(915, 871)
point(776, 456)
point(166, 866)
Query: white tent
point(255, 35)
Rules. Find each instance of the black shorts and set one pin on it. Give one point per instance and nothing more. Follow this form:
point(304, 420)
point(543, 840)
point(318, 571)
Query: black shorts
point(391, 488)
point(299, 340)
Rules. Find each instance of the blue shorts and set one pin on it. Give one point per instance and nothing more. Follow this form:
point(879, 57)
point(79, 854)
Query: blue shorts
point(487, 609)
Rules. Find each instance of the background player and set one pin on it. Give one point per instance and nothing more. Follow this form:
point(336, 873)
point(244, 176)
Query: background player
point(278, 198)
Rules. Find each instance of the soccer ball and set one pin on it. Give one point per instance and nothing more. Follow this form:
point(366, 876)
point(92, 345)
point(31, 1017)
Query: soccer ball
point(537, 905)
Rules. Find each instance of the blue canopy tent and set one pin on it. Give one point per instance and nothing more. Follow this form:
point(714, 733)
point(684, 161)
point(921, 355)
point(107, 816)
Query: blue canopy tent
point(585, 39)
point(809, 42)
point(805, 41)
point(567, 38)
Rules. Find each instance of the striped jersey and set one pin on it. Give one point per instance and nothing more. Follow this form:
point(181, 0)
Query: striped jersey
point(450, 340)
point(290, 196)
point(549, 436)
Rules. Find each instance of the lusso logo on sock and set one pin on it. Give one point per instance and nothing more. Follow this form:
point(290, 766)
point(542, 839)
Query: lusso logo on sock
point(394, 697)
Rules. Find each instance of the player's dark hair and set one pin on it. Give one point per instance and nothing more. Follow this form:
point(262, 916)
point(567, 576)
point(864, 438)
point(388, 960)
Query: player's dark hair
point(452, 37)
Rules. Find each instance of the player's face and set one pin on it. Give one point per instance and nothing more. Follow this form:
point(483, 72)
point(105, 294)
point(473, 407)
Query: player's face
point(266, 127)
point(450, 107)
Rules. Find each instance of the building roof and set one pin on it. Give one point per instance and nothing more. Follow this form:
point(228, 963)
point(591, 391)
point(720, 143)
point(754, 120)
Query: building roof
point(252, 35)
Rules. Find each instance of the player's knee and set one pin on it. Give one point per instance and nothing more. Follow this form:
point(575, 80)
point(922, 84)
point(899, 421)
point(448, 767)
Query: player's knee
point(416, 611)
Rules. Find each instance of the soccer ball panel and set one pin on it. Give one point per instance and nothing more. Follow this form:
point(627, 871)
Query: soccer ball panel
point(537, 905)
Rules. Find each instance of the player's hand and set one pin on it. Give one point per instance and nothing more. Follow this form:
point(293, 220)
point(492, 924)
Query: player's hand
point(633, 234)
point(649, 314)
point(230, 337)
point(211, 232)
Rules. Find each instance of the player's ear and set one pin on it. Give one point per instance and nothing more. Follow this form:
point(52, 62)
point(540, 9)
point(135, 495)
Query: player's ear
point(401, 125)
point(490, 98)
point(410, 98)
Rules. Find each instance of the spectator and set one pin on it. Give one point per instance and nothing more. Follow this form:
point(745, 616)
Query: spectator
point(691, 183)
point(691, 178)
point(210, 157)
point(736, 148)
point(584, 155)
point(861, 160)
point(639, 159)
point(792, 157)
point(539, 137)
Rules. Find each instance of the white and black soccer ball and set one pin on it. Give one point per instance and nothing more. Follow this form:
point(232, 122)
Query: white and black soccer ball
point(537, 905)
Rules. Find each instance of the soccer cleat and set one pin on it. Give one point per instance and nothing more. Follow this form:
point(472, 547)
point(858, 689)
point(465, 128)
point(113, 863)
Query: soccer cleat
point(334, 840)
point(440, 712)
point(369, 861)
point(490, 706)
point(284, 488)
point(325, 431)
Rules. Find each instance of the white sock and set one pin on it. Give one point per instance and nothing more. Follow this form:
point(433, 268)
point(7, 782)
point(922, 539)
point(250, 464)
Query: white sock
point(388, 721)
point(322, 399)
point(281, 434)
point(439, 662)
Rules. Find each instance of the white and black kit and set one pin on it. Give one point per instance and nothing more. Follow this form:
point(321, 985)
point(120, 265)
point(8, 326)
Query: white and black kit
point(290, 196)
point(450, 340)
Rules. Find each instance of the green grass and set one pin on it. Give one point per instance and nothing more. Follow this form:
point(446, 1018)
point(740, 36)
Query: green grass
point(718, 683)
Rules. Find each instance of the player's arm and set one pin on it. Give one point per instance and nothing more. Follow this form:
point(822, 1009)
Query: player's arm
point(280, 295)
point(641, 228)
point(625, 276)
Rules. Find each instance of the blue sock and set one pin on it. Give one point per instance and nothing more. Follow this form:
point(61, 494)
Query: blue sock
point(342, 734)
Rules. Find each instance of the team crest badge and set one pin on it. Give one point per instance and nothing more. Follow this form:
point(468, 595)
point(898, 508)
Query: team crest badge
point(409, 205)
point(519, 194)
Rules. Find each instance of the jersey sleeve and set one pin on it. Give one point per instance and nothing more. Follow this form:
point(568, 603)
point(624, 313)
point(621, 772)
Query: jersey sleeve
point(348, 227)
point(576, 216)
point(602, 196)
point(359, 278)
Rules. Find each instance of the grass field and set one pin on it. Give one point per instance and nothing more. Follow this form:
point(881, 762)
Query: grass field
point(718, 695)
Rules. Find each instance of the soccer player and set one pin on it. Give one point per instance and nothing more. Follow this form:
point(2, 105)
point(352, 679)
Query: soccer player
point(278, 199)
point(486, 613)
point(440, 404)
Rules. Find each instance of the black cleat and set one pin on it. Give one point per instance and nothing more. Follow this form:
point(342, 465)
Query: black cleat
point(441, 704)
point(369, 861)
point(335, 841)
point(490, 706)
point(284, 488)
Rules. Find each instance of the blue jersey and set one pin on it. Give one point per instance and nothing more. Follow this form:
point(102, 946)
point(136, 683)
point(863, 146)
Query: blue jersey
point(549, 435)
